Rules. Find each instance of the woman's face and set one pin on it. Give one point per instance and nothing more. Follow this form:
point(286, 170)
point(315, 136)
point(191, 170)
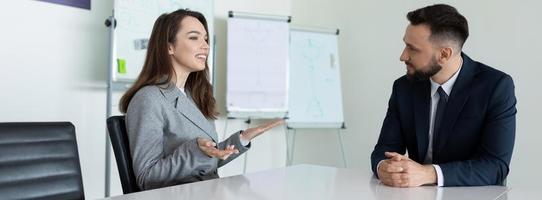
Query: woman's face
point(190, 50)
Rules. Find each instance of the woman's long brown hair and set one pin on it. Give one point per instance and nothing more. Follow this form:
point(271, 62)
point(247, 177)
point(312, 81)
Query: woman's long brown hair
point(158, 70)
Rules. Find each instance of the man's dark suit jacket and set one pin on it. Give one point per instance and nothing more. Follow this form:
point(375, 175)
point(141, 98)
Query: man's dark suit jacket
point(475, 143)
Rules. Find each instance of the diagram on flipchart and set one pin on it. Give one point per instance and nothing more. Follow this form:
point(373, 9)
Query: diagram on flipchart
point(315, 84)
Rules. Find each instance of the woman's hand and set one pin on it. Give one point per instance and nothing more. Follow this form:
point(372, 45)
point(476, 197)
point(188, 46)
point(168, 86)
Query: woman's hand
point(209, 147)
point(251, 133)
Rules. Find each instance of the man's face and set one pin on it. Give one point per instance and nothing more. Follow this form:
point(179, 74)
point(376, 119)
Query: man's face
point(419, 54)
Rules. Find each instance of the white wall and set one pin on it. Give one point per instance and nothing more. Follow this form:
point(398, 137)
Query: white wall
point(503, 34)
point(53, 63)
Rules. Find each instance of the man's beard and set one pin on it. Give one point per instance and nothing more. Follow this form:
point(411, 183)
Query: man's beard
point(422, 75)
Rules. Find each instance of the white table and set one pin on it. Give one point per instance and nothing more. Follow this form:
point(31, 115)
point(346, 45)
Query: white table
point(312, 182)
point(523, 193)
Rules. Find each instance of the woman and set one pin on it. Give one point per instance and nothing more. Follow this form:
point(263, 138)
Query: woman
point(170, 108)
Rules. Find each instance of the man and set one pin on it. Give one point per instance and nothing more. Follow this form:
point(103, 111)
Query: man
point(456, 117)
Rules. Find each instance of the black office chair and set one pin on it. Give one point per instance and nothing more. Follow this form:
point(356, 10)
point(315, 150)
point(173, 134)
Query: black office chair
point(119, 140)
point(39, 160)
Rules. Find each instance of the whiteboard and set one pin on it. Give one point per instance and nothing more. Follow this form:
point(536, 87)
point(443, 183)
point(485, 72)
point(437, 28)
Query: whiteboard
point(257, 68)
point(315, 81)
point(135, 19)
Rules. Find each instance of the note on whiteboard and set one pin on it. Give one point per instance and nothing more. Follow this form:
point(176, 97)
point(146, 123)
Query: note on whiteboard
point(257, 74)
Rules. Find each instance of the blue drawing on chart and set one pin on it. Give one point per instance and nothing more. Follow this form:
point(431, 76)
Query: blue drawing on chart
point(315, 79)
point(312, 53)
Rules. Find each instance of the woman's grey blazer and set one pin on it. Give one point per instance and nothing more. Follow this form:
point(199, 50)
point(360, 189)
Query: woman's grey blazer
point(163, 125)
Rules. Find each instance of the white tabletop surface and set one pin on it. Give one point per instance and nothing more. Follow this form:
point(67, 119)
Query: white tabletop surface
point(311, 182)
point(523, 193)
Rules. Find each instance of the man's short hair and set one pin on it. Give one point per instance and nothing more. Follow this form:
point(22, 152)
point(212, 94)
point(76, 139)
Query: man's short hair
point(445, 23)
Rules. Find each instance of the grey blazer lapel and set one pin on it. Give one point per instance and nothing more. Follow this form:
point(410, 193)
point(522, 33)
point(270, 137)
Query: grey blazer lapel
point(188, 108)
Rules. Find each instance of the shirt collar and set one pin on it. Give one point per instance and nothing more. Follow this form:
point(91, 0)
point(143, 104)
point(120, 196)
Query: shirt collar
point(182, 90)
point(447, 86)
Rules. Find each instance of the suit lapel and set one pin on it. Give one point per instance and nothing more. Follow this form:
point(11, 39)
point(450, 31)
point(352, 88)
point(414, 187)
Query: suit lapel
point(422, 100)
point(188, 109)
point(457, 99)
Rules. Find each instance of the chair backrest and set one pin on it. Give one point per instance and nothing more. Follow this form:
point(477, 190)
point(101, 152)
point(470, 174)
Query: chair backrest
point(119, 140)
point(39, 160)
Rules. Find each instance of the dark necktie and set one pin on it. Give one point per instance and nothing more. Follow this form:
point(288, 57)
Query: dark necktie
point(439, 115)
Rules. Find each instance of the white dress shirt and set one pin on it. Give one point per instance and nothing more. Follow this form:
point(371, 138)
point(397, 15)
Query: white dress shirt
point(447, 87)
point(182, 90)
